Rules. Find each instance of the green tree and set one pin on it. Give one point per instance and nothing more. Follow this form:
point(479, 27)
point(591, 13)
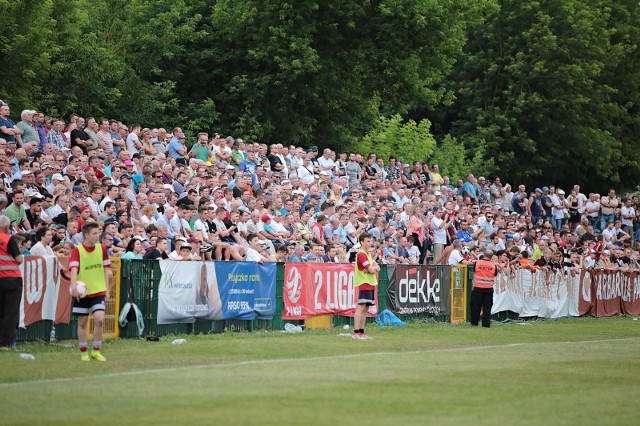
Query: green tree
point(409, 141)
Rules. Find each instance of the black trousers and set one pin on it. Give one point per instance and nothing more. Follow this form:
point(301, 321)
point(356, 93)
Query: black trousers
point(10, 295)
point(481, 298)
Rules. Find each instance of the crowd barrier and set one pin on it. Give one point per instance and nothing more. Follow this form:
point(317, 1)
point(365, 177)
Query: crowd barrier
point(302, 292)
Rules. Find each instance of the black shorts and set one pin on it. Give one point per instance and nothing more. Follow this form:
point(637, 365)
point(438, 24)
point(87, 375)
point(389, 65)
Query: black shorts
point(366, 297)
point(89, 304)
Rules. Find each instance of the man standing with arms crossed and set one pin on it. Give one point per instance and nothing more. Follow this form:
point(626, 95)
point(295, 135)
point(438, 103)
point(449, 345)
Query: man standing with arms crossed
point(10, 285)
point(366, 281)
point(90, 263)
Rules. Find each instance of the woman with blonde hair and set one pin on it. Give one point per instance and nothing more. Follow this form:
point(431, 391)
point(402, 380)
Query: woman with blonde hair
point(417, 228)
point(147, 217)
point(147, 146)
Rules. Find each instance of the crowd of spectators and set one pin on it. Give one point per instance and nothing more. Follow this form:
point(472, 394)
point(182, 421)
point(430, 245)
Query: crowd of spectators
point(158, 195)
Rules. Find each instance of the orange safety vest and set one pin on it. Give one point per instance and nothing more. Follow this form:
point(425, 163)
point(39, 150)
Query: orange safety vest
point(9, 268)
point(484, 275)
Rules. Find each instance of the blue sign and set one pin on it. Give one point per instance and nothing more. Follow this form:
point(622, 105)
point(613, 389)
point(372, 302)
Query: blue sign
point(247, 289)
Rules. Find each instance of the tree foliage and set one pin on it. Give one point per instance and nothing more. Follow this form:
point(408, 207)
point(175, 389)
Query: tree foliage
point(539, 90)
point(392, 136)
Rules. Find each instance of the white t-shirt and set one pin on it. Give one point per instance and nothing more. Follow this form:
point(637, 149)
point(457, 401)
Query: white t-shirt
point(439, 234)
point(591, 205)
point(327, 162)
point(131, 146)
point(626, 211)
point(40, 249)
point(608, 234)
point(455, 257)
point(414, 253)
point(253, 255)
point(201, 226)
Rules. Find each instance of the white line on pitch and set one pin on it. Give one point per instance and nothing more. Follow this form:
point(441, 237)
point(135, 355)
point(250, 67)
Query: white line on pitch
point(289, 360)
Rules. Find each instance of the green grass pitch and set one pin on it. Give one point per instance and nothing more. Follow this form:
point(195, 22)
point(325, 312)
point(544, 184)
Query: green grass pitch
point(565, 372)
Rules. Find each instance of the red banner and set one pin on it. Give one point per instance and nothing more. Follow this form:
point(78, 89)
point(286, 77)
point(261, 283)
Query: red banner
point(312, 289)
point(45, 290)
point(612, 292)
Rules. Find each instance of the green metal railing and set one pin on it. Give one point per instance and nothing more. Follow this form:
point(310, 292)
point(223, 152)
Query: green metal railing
point(144, 277)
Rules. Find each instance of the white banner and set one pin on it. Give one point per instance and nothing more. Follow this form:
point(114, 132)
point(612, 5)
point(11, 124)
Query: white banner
point(539, 294)
point(187, 291)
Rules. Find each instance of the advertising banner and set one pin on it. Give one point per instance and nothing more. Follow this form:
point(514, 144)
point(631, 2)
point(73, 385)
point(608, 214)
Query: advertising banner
point(247, 289)
point(45, 290)
point(215, 291)
point(537, 294)
point(614, 292)
point(419, 289)
point(320, 289)
point(556, 294)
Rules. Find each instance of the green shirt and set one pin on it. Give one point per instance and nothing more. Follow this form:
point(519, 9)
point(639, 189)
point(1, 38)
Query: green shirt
point(15, 214)
point(362, 277)
point(91, 270)
point(202, 151)
point(29, 134)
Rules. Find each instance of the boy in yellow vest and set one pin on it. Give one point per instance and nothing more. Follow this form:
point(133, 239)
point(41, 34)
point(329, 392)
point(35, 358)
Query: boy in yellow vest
point(90, 263)
point(366, 281)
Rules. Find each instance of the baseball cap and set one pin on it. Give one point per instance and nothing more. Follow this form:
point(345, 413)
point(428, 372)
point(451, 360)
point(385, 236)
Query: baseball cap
point(193, 240)
point(185, 246)
point(538, 190)
point(26, 172)
point(314, 148)
point(129, 163)
point(167, 186)
point(266, 218)
point(230, 167)
point(57, 176)
point(545, 189)
point(183, 239)
point(208, 163)
point(46, 166)
point(125, 176)
point(78, 188)
point(324, 173)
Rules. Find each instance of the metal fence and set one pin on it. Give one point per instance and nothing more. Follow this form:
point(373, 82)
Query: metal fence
point(142, 277)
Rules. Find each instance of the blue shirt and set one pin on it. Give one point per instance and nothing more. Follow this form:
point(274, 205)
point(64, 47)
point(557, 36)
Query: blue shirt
point(469, 188)
point(174, 146)
point(116, 148)
point(464, 236)
point(248, 166)
point(9, 124)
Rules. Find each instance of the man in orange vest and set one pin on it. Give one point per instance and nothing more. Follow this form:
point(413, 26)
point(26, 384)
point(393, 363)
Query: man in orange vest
point(10, 284)
point(484, 278)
